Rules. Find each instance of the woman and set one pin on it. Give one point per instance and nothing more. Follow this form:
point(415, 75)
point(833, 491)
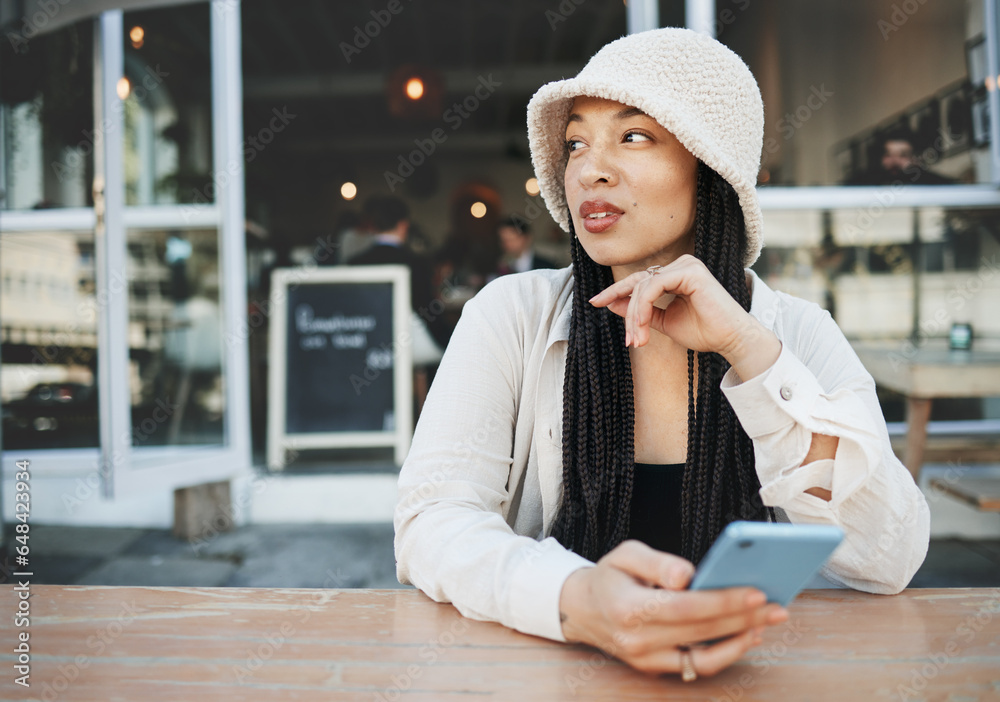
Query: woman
point(592, 430)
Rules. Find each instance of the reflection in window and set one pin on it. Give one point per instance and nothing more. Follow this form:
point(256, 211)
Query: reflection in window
point(865, 93)
point(48, 341)
point(175, 338)
point(168, 116)
point(900, 278)
point(47, 120)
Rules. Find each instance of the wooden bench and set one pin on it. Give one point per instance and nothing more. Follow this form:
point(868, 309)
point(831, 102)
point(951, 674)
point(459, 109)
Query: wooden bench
point(981, 493)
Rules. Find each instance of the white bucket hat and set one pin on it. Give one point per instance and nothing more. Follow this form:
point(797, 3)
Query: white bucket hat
point(691, 84)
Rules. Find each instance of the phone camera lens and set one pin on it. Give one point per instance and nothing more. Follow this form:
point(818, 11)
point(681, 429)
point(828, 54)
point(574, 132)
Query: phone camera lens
point(746, 544)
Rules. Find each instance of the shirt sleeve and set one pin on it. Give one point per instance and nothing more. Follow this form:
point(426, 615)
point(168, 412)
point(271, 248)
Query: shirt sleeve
point(452, 539)
point(818, 385)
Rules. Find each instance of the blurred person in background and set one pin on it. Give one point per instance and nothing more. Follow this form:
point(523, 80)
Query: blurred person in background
point(387, 219)
point(897, 163)
point(517, 244)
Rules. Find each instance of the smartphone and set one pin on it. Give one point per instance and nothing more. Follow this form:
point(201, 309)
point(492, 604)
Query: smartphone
point(778, 559)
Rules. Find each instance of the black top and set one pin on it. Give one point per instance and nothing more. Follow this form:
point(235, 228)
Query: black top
point(656, 506)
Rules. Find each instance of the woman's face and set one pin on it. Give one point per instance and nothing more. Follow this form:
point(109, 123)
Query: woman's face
point(630, 185)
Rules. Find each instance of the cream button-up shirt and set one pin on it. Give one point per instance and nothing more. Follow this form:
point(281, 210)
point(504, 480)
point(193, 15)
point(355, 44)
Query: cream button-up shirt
point(481, 486)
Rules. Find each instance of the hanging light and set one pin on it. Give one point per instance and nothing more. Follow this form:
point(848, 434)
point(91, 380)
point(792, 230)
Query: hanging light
point(414, 88)
point(531, 186)
point(137, 34)
point(124, 88)
point(478, 210)
point(348, 190)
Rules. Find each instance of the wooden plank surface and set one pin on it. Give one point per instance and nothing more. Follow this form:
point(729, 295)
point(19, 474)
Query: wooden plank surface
point(152, 644)
point(981, 493)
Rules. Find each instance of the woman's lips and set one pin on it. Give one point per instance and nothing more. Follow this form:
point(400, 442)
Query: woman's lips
point(598, 225)
point(598, 215)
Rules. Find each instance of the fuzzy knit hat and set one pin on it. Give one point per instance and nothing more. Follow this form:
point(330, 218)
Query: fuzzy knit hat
point(691, 84)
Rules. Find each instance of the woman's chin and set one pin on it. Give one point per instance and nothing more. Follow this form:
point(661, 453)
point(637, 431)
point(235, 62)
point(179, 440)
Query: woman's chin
point(608, 255)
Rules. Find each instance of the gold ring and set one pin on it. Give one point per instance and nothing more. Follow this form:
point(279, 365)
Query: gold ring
point(688, 673)
point(653, 270)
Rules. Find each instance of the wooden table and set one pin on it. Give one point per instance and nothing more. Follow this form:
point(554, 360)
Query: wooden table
point(925, 372)
point(152, 644)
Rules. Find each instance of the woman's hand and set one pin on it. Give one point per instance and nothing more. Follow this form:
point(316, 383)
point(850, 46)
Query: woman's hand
point(702, 316)
point(632, 605)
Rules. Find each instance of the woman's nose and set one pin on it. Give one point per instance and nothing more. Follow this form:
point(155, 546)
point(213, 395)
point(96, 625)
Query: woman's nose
point(597, 167)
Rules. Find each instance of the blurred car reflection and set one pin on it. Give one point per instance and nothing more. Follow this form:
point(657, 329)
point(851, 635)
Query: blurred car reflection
point(52, 415)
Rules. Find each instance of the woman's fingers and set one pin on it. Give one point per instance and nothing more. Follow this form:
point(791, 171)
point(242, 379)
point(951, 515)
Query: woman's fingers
point(706, 660)
point(650, 566)
point(634, 297)
point(707, 614)
point(658, 635)
point(622, 289)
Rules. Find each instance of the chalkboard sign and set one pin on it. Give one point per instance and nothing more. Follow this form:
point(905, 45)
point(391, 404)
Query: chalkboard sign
point(340, 373)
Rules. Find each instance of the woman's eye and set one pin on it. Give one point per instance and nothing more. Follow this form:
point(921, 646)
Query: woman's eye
point(634, 137)
point(573, 144)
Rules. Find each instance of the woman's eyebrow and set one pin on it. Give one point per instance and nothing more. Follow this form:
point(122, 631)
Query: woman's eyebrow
point(624, 113)
point(630, 112)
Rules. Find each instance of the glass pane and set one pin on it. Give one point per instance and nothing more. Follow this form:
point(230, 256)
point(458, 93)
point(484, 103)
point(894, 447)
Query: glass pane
point(864, 93)
point(48, 342)
point(672, 15)
point(175, 338)
point(47, 120)
point(168, 106)
point(860, 265)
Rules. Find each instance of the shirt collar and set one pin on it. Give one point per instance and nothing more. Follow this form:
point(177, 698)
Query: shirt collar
point(388, 239)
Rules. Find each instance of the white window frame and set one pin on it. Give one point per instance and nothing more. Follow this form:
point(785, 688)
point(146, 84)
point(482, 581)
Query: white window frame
point(125, 469)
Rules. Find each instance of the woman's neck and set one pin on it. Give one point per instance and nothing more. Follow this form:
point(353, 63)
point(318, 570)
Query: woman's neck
point(660, 258)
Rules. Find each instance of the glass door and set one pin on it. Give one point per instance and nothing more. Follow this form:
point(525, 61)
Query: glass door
point(136, 236)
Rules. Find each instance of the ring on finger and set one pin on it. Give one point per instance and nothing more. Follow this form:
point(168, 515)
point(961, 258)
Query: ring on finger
point(688, 673)
point(653, 270)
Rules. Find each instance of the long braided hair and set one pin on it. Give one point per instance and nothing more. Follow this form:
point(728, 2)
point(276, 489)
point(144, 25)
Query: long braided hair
point(720, 479)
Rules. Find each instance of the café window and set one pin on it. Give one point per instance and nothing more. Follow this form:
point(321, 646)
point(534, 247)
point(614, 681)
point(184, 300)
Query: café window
point(47, 120)
point(167, 95)
point(867, 93)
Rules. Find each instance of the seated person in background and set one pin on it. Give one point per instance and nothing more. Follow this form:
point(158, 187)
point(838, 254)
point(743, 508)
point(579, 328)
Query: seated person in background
point(592, 429)
point(518, 252)
point(897, 163)
point(388, 221)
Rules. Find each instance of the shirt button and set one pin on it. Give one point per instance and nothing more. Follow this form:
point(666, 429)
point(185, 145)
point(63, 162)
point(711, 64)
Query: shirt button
point(786, 392)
